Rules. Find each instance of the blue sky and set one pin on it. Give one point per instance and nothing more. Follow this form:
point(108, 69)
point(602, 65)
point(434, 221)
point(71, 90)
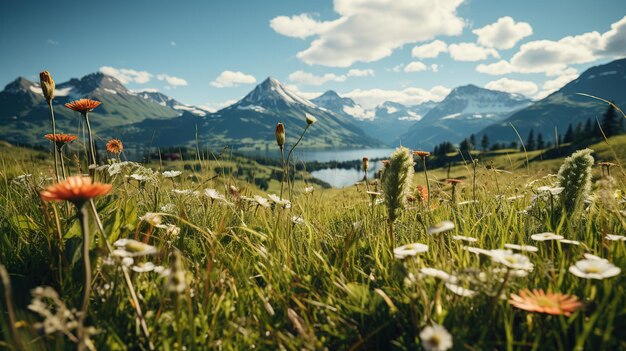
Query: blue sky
point(212, 52)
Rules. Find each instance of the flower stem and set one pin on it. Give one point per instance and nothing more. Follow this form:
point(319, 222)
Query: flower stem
point(289, 158)
point(55, 151)
point(91, 156)
point(427, 184)
point(82, 217)
point(282, 181)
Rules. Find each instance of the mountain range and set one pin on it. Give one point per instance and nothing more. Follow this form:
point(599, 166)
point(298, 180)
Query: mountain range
point(148, 118)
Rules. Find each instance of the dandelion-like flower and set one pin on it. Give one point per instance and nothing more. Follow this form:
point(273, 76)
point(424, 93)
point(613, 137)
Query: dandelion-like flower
point(436, 338)
point(408, 250)
point(61, 139)
point(546, 236)
point(453, 181)
point(594, 269)
point(512, 260)
point(115, 146)
point(550, 303)
point(440, 227)
point(421, 154)
point(76, 189)
point(171, 174)
point(310, 119)
point(83, 105)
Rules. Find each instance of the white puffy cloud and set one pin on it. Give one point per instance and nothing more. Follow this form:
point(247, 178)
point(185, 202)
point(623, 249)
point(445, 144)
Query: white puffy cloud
point(552, 85)
point(434, 67)
point(229, 79)
point(126, 75)
point(513, 86)
point(171, 80)
point(360, 72)
point(471, 52)
point(415, 66)
point(553, 57)
point(214, 106)
point(370, 98)
point(369, 30)
point(503, 34)
point(305, 94)
point(306, 78)
point(430, 50)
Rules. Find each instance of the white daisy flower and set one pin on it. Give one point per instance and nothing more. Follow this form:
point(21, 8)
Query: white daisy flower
point(183, 191)
point(297, 220)
point(440, 227)
point(143, 267)
point(593, 257)
point(512, 260)
point(459, 290)
point(552, 190)
point(465, 238)
point(277, 200)
point(171, 174)
point(261, 201)
point(154, 219)
point(169, 208)
point(594, 269)
point(213, 194)
point(132, 248)
point(436, 338)
point(546, 236)
point(407, 250)
point(139, 177)
point(435, 273)
point(570, 242)
point(528, 248)
point(309, 189)
point(516, 197)
point(477, 250)
point(613, 237)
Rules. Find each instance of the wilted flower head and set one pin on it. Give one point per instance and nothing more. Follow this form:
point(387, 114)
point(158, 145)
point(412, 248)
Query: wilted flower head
point(436, 338)
point(594, 269)
point(47, 85)
point(422, 193)
point(83, 105)
point(550, 303)
point(280, 135)
point(310, 119)
point(408, 250)
point(76, 189)
point(115, 146)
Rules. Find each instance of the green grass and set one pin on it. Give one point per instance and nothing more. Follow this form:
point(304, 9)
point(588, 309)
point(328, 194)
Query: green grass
point(255, 279)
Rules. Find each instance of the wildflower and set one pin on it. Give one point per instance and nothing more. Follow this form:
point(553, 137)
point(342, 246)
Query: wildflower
point(310, 119)
point(465, 238)
point(132, 248)
point(154, 219)
point(365, 164)
point(453, 181)
point(435, 273)
point(552, 190)
point(297, 220)
point(528, 248)
point(171, 230)
point(143, 267)
point(477, 250)
point(171, 174)
point(594, 269)
point(83, 105)
point(512, 260)
point(467, 202)
point(593, 257)
point(436, 338)
point(214, 194)
point(613, 237)
point(57, 316)
point(421, 154)
point(261, 201)
point(440, 227)
point(407, 250)
point(76, 189)
point(184, 192)
point(308, 189)
point(277, 200)
point(575, 177)
point(47, 85)
point(459, 290)
point(546, 236)
point(61, 139)
point(115, 146)
point(570, 242)
point(550, 303)
point(280, 135)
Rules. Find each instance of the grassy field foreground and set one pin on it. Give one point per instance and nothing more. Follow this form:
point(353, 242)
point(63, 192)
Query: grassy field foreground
point(178, 267)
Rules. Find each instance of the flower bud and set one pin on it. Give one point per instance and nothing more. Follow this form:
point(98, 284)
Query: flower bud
point(47, 85)
point(280, 135)
point(310, 119)
point(366, 163)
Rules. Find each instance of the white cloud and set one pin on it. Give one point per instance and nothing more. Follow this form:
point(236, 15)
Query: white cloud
point(430, 50)
point(305, 94)
point(360, 73)
point(503, 34)
point(434, 67)
point(229, 79)
point(52, 42)
point(171, 80)
point(126, 75)
point(554, 57)
point(415, 66)
point(369, 30)
point(370, 98)
point(398, 68)
point(172, 43)
point(557, 83)
point(214, 106)
point(146, 90)
point(306, 78)
point(471, 52)
point(513, 86)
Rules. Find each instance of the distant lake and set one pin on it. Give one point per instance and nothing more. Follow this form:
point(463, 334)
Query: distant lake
point(336, 177)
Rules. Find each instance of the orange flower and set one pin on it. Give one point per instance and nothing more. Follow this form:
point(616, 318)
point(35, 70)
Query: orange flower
point(453, 181)
point(77, 190)
point(61, 139)
point(422, 192)
point(421, 154)
point(115, 146)
point(83, 105)
point(550, 303)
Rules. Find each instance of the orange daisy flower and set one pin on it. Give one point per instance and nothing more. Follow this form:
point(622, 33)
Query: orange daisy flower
point(422, 192)
point(453, 181)
point(115, 146)
point(60, 138)
point(421, 154)
point(77, 189)
point(83, 105)
point(550, 303)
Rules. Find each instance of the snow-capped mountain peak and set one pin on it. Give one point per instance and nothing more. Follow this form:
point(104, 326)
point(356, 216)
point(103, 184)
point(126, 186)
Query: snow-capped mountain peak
point(272, 94)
